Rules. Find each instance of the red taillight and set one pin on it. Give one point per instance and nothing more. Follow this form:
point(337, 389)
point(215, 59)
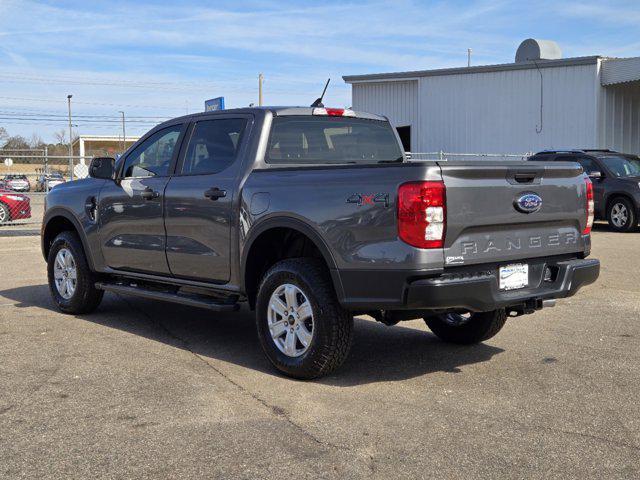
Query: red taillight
point(590, 206)
point(422, 214)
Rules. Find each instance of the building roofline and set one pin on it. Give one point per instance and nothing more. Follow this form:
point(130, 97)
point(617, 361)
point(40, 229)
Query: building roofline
point(412, 75)
point(108, 138)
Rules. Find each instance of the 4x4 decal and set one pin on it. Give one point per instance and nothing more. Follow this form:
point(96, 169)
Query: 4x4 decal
point(361, 199)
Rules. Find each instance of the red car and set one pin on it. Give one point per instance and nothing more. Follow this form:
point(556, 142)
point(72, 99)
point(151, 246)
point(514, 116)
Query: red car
point(13, 206)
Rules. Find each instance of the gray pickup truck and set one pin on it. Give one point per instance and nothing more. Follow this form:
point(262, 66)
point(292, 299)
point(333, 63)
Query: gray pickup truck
point(313, 215)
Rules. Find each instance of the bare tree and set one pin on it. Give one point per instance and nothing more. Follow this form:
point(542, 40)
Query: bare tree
point(3, 134)
point(17, 142)
point(36, 141)
point(61, 136)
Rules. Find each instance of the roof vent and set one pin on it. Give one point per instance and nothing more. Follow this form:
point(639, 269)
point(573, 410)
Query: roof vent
point(532, 49)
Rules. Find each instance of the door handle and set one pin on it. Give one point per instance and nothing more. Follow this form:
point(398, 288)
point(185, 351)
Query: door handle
point(149, 194)
point(215, 193)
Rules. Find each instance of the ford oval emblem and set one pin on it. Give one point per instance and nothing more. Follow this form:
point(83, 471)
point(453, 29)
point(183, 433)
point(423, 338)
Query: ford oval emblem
point(528, 202)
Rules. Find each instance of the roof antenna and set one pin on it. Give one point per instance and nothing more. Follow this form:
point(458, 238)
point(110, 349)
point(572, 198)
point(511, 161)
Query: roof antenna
point(318, 102)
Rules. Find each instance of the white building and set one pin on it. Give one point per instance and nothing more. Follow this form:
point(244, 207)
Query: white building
point(540, 101)
point(101, 145)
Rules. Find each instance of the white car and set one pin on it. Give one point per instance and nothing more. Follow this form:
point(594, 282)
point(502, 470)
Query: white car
point(17, 183)
point(47, 182)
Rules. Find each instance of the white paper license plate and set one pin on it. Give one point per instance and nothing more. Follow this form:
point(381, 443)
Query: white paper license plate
point(514, 276)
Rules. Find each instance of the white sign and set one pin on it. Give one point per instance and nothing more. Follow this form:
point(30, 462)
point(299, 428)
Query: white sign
point(8, 162)
point(81, 170)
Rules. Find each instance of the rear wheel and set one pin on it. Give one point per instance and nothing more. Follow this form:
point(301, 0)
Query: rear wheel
point(621, 215)
point(467, 329)
point(302, 328)
point(71, 283)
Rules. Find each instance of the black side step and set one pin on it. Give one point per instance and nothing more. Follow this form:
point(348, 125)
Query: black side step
point(191, 300)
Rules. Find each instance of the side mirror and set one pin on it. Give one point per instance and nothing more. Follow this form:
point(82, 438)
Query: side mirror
point(103, 168)
point(595, 175)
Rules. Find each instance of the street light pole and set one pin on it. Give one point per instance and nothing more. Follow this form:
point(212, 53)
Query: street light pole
point(260, 80)
point(70, 139)
point(124, 135)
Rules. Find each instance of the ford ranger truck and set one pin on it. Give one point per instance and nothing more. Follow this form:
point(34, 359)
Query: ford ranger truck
point(310, 216)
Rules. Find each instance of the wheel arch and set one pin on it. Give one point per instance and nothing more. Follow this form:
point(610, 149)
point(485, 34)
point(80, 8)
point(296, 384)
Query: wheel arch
point(58, 220)
point(612, 196)
point(284, 228)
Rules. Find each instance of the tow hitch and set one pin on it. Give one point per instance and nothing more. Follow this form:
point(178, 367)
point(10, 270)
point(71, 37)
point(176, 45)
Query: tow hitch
point(530, 306)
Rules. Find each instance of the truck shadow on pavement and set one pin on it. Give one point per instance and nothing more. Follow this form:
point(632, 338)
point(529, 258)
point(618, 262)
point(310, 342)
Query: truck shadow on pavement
point(379, 353)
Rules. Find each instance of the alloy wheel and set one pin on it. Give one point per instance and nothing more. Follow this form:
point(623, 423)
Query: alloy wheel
point(65, 273)
point(290, 320)
point(619, 215)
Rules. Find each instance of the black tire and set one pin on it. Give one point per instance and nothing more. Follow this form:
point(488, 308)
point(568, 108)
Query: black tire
point(5, 214)
point(454, 328)
point(332, 324)
point(613, 211)
point(86, 297)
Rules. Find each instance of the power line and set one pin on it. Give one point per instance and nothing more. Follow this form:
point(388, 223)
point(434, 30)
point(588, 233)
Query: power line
point(45, 114)
point(60, 119)
point(13, 78)
point(48, 100)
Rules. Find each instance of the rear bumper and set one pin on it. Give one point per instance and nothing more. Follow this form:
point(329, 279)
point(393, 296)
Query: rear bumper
point(479, 292)
point(473, 287)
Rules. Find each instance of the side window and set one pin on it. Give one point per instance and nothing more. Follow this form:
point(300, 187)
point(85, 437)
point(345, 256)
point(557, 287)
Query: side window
point(589, 165)
point(153, 156)
point(213, 146)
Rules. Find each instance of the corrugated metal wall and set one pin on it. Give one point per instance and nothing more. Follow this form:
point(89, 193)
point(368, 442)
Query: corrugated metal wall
point(499, 112)
point(396, 100)
point(490, 112)
point(620, 117)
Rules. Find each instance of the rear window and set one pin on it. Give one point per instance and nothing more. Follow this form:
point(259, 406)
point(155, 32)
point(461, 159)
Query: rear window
point(327, 140)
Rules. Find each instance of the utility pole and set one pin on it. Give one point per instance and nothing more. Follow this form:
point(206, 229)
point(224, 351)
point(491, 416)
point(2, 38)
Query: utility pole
point(260, 80)
point(468, 57)
point(124, 135)
point(70, 139)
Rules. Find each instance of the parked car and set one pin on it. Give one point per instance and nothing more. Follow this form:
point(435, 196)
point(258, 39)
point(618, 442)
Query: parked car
point(616, 183)
point(47, 182)
point(13, 206)
point(17, 183)
point(313, 215)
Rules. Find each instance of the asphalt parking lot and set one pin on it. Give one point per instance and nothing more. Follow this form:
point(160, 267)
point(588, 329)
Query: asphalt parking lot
point(148, 390)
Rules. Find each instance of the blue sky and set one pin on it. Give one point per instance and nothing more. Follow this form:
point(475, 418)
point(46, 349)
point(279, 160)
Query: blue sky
point(159, 59)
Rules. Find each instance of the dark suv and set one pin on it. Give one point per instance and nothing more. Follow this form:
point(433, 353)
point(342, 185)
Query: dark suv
point(616, 183)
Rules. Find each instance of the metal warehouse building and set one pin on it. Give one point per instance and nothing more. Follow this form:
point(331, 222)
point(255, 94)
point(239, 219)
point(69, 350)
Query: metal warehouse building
point(541, 101)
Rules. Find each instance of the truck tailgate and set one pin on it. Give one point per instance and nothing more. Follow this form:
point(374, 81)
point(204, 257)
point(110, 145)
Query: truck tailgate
point(485, 222)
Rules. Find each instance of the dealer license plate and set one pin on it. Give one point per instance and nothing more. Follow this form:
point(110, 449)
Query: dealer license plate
point(514, 276)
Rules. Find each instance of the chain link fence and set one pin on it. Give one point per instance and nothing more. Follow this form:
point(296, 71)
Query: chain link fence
point(26, 176)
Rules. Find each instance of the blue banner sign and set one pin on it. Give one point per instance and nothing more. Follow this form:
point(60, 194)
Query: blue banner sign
point(214, 104)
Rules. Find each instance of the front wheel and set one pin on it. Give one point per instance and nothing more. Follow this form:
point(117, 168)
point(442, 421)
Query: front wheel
point(5, 215)
point(467, 329)
point(302, 328)
point(621, 215)
point(71, 282)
